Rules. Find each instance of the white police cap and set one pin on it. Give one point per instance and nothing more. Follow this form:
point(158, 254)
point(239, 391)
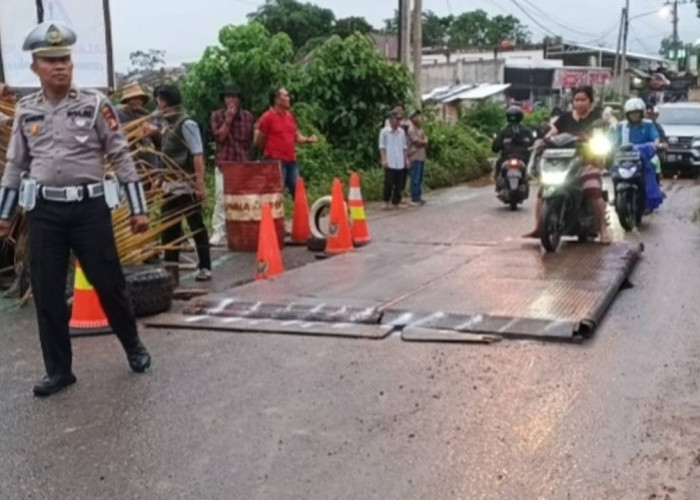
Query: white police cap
point(50, 39)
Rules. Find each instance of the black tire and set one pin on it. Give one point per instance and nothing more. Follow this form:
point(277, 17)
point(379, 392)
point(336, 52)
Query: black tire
point(551, 228)
point(513, 205)
point(626, 209)
point(583, 238)
point(151, 291)
point(316, 244)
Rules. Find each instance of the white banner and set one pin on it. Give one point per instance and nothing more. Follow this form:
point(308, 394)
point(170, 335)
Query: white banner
point(85, 17)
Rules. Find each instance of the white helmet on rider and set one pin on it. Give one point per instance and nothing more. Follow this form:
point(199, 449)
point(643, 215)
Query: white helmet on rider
point(635, 105)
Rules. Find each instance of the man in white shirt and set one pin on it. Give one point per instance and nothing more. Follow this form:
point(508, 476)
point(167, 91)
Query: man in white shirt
point(393, 148)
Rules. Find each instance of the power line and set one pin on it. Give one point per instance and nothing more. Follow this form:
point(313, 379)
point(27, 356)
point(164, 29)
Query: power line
point(533, 19)
point(555, 21)
point(639, 40)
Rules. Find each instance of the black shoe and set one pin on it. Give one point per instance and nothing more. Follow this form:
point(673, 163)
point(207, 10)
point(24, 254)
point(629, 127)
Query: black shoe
point(51, 385)
point(139, 359)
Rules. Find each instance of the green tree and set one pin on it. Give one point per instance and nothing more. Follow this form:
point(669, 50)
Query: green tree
point(391, 25)
point(477, 29)
point(300, 21)
point(552, 40)
point(355, 87)
point(470, 29)
point(247, 56)
point(435, 29)
point(507, 28)
point(147, 60)
point(350, 25)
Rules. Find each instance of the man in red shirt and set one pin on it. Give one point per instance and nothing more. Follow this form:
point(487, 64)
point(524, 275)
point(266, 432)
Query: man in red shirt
point(232, 127)
point(276, 134)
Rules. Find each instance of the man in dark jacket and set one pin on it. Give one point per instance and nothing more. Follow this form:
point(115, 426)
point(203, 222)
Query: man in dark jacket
point(182, 143)
point(514, 141)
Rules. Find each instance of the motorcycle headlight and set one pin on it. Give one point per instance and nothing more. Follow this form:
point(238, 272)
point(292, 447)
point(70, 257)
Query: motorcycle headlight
point(673, 140)
point(553, 178)
point(626, 173)
point(600, 145)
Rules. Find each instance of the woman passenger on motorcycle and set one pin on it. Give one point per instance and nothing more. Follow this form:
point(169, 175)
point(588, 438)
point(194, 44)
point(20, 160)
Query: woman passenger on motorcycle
point(644, 134)
point(580, 122)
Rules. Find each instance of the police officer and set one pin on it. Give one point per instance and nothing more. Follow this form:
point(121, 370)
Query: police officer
point(514, 141)
point(59, 139)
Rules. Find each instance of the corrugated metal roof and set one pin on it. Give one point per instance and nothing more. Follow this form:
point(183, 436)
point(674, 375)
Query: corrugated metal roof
point(606, 50)
point(478, 92)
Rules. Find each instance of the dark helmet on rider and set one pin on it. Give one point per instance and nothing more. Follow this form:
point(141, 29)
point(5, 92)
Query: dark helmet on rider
point(514, 114)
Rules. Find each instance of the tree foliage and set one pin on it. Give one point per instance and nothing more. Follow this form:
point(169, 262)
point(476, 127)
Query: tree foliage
point(351, 25)
point(435, 29)
point(469, 29)
point(147, 60)
point(355, 86)
point(477, 29)
point(342, 92)
point(300, 21)
point(247, 57)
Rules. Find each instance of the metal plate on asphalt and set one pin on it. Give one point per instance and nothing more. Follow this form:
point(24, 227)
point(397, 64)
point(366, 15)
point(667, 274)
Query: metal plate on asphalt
point(291, 327)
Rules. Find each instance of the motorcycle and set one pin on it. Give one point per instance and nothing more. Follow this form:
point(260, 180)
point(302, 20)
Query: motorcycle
point(628, 180)
point(566, 211)
point(513, 185)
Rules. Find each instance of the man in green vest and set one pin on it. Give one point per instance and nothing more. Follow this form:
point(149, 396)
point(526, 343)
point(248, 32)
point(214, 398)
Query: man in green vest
point(182, 143)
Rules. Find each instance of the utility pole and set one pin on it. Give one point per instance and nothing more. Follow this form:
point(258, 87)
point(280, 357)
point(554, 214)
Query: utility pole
point(616, 66)
point(417, 46)
point(623, 61)
point(405, 32)
point(675, 29)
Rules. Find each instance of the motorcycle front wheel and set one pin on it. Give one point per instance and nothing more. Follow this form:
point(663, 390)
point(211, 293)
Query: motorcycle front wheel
point(626, 209)
point(551, 224)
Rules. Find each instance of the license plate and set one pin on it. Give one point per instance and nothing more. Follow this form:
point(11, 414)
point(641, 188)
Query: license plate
point(514, 173)
point(513, 183)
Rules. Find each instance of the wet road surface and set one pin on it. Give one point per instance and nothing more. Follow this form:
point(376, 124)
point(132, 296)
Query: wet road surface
point(262, 416)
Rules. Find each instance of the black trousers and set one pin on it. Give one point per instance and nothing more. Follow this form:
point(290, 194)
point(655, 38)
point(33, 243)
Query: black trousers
point(196, 223)
point(394, 185)
point(85, 228)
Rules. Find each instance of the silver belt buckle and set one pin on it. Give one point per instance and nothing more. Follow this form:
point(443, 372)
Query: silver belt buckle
point(74, 193)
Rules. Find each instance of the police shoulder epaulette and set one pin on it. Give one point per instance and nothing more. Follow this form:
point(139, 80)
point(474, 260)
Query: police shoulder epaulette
point(93, 93)
point(29, 97)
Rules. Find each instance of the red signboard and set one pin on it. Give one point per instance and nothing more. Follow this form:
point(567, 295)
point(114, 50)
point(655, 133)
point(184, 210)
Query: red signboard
point(566, 78)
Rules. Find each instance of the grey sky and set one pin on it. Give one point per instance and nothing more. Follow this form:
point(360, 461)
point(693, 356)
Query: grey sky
point(184, 28)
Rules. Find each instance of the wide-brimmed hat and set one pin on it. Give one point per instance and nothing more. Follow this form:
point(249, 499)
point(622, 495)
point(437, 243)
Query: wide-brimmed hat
point(132, 91)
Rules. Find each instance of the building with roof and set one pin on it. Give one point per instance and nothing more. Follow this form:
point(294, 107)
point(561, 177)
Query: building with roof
point(449, 99)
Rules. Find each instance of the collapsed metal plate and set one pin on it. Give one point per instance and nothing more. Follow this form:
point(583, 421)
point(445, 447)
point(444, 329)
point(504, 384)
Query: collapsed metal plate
point(291, 327)
point(510, 290)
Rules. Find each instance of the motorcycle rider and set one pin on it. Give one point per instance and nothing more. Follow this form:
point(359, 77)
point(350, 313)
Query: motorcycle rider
point(514, 141)
point(580, 121)
point(642, 133)
point(653, 115)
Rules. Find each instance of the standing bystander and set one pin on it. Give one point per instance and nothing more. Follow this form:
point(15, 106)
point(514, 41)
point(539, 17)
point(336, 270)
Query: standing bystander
point(182, 143)
point(393, 149)
point(277, 135)
point(232, 127)
point(417, 142)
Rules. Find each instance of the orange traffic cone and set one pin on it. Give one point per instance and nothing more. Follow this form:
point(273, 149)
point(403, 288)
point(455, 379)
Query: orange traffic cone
point(269, 256)
point(88, 317)
point(339, 238)
point(360, 228)
point(301, 231)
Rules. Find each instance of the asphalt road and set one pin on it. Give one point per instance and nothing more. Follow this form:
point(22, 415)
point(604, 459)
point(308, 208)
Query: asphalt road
point(251, 416)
